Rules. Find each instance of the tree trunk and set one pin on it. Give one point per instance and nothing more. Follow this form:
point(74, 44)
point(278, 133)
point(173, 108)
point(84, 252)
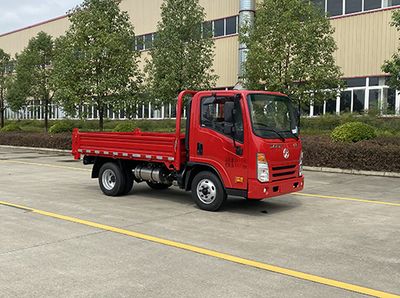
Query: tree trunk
point(46, 114)
point(2, 109)
point(1, 114)
point(101, 117)
point(1, 117)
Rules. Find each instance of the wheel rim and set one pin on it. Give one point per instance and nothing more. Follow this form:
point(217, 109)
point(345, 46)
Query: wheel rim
point(206, 191)
point(109, 179)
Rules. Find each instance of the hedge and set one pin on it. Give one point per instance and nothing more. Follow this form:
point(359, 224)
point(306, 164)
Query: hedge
point(380, 154)
point(39, 140)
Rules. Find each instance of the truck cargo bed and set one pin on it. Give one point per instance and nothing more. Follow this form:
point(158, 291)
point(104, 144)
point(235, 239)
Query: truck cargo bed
point(137, 145)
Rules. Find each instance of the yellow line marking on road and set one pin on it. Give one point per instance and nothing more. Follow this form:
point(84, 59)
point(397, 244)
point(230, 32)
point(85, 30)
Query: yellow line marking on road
point(215, 254)
point(346, 199)
point(43, 165)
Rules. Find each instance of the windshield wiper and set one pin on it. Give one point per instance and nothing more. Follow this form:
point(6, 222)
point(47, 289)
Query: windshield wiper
point(293, 134)
point(266, 128)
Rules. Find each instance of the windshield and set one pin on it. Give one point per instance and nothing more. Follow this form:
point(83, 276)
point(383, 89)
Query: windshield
point(272, 116)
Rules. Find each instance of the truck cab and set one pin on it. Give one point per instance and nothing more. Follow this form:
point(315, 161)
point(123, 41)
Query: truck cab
point(238, 142)
point(249, 139)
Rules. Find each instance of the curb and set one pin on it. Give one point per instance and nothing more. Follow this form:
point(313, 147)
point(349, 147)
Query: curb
point(352, 172)
point(36, 149)
point(306, 168)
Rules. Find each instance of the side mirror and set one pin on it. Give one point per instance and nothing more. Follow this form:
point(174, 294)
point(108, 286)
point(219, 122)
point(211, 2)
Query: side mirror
point(228, 117)
point(228, 128)
point(229, 108)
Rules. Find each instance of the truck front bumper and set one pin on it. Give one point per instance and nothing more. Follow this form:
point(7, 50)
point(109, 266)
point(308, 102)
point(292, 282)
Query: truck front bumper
point(259, 191)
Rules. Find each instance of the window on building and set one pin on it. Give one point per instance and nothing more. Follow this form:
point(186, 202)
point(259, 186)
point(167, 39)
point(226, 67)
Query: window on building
point(330, 106)
point(212, 116)
point(122, 114)
point(219, 28)
point(393, 2)
point(148, 41)
point(146, 111)
point(356, 82)
point(320, 4)
point(372, 4)
point(353, 6)
point(358, 100)
point(389, 101)
point(374, 99)
point(207, 29)
point(335, 7)
point(155, 113)
point(110, 113)
point(374, 81)
point(139, 112)
point(305, 110)
point(10, 67)
point(173, 111)
point(318, 109)
point(139, 43)
point(231, 25)
point(345, 101)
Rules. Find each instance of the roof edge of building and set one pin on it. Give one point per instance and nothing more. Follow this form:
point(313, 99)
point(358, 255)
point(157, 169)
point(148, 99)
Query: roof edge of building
point(35, 25)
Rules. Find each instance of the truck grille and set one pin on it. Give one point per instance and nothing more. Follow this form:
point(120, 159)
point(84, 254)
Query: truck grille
point(284, 172)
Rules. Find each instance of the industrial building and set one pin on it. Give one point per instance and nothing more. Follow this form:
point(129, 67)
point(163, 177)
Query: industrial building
point(363, 34)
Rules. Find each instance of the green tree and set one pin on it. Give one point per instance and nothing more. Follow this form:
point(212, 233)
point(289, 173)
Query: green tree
point(392, 66)
point(183, 51)
point(33, 72)
point(291, 50)
point(5, 72)
point(96, 64)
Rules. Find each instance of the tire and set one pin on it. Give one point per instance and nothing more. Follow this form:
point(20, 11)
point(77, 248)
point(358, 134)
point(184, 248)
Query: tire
point(208, 191)
point(129, 179)
point(112, 179)
point(158, 186)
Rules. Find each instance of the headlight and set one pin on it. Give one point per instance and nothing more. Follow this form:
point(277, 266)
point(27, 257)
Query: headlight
point(301, 164)
point(262, 168)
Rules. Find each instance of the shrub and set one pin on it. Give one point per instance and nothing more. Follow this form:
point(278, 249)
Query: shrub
point(125, 127)
point(353, 132)
point(62, 126)
point(11, 127)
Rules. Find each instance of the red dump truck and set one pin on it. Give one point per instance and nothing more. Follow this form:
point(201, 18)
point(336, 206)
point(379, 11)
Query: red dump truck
point(242, 143)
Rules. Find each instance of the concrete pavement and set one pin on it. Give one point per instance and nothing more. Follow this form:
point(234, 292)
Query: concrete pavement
point(350, 241)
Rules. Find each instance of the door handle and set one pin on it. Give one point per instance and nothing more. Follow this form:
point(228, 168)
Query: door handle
point(199, 149)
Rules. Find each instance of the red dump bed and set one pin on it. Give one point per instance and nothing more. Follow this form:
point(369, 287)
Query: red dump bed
point(137, 145)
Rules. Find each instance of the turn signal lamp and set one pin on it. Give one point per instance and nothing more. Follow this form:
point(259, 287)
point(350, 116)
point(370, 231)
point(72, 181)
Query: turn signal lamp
point(262, 168)
point(301, 164)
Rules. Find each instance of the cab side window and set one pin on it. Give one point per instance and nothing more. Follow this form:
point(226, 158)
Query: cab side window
point(212, 116)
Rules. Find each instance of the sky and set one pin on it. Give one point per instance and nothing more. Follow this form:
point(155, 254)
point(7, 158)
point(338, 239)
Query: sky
point(16, 14)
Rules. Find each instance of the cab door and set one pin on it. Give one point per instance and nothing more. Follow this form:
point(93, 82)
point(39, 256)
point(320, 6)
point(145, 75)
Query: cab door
point(212, 144)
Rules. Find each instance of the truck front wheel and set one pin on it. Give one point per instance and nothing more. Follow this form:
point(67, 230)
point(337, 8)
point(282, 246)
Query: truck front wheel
point(112, 179)
point(208, 191)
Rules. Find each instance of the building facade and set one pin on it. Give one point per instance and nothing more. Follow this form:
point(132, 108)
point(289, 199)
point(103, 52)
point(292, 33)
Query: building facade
point(363, 34)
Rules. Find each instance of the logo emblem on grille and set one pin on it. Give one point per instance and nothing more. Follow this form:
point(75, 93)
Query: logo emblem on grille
point(286, 153)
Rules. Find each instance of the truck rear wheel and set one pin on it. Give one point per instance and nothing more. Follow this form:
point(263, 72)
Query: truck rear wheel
point(208, 191)
point(112, 179)
point(158, 186)
point(129, 180)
